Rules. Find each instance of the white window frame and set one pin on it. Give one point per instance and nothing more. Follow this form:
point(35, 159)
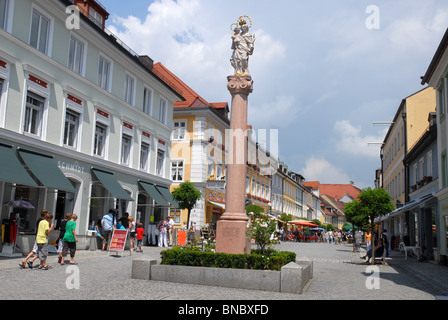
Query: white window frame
point(49, 42)
point(104, 80)
point(30, 115)
point(8, 15)
point(147, 102)
point(104, 143)
point(429, 172)
point(163, 113)
point(176, 134)
point(4, 77)
point(210, 167)
point(76, 124)
point(175, 166)
point(160, 171)
point(144, 157)
point(129, 93)
point(421, 168)
point(80, 67)
point(126, 149)
point(44, 93)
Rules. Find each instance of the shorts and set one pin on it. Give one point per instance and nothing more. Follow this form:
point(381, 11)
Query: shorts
point(42, 251)
point(139, 243)
point(34, 247)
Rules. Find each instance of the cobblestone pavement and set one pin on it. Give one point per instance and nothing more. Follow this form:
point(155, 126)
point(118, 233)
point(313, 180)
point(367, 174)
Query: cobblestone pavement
point(338, 274)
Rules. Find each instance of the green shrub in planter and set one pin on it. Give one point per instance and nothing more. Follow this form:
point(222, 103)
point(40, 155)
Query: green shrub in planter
point(272, 260)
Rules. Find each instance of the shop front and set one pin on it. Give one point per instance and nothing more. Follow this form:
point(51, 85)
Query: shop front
point(39, 179)
point(29, 180)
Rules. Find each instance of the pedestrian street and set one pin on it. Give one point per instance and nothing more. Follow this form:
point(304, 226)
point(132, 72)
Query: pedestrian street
point(339, 274)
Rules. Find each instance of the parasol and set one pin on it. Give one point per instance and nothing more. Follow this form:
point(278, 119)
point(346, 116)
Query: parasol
point(19, 204)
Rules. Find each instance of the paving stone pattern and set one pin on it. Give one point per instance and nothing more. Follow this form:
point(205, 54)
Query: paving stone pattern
point(338, 274)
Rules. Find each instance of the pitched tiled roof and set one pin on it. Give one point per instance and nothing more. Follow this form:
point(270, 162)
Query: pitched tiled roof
point(313, 184)
point(337, 191)
point(192, 99)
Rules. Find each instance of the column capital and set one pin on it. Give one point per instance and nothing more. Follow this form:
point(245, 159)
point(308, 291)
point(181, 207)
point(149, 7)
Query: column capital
point(240, 85)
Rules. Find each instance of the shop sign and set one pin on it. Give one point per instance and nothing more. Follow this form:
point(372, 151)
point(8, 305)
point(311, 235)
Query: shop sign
point(75, 167)
point(118, 241)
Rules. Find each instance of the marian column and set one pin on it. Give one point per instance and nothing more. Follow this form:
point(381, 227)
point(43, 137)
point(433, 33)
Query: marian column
point(232, 226)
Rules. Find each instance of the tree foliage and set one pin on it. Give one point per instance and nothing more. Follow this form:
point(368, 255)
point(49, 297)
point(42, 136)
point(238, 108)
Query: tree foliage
point(187, 196)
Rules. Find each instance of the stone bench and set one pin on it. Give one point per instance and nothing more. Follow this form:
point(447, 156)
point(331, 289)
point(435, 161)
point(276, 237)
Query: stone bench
point(293, 277)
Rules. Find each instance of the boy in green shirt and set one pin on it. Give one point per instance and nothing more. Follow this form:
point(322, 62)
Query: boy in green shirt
point(45, 227)
point(70, 239)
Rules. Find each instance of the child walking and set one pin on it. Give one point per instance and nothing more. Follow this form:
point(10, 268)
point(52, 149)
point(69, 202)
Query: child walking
point(139, 234)
point(45, 227)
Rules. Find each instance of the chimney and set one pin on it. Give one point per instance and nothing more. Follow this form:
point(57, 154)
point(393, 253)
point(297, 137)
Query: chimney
point(146, 61)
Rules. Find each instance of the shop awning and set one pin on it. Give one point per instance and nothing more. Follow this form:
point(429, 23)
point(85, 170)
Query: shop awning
point(45, 169)
point(153, 193)
point(111, 184)
point(12, 170)
point(407, 207)
point(221, 205)
point(303, 223)
point(168, 196)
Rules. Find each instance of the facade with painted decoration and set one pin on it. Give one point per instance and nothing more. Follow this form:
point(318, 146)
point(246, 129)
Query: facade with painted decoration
point(85, 123)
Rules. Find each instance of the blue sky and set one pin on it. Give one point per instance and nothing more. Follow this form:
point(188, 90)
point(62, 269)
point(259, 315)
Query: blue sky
point(321, 76)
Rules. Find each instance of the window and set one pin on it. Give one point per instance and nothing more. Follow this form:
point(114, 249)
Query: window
point(160, 162)
point(414, 174)
point(129, 89)
point(100, 140)
point(428, 163)
point(126, 144)
point(210, 167)
point(104, 73)
point(177, 170)
point(179, 132)
point(218, 170)
point(162, 111)
point(444, 170)
point(147, 101)
point(95, 17)
point(144, 156)
point(33, 114)
point(3, 14)
point(71, 128)
point(441, 96)
point(421, 168)
point(76, 55)
point(40, 32)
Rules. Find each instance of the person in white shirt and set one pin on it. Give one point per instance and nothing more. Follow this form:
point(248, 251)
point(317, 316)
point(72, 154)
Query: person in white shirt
point(170, 230)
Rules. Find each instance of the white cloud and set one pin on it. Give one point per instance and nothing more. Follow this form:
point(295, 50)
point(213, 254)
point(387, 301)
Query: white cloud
point(349, 140)
point(319, 169)
point(279, 113)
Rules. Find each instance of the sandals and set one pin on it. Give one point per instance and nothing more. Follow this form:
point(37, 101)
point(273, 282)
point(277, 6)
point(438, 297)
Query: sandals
point(30, 264)
point(45, 267)
point(22, 265)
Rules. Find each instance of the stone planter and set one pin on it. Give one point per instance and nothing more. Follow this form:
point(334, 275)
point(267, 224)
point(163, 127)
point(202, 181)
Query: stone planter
point(293, 277)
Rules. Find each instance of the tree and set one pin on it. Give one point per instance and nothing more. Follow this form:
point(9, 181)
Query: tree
point(187, 196)
point(354, 215)
point(374, 203)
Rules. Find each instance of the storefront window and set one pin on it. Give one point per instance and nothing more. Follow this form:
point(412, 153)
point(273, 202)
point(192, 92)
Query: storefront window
point(100, 203)
point(28, 217)
point(446, 230)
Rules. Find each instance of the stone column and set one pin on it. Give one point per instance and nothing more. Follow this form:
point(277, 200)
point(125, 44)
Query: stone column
point(231, 227)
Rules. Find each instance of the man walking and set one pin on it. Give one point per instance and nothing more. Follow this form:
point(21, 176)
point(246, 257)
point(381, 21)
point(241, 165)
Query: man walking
point(108, 223)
